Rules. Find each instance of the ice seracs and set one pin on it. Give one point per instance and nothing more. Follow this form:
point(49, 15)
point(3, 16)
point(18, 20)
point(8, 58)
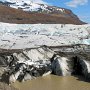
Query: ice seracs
point(20, 36)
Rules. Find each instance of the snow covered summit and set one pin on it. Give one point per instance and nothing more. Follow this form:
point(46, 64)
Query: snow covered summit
point(29, 5)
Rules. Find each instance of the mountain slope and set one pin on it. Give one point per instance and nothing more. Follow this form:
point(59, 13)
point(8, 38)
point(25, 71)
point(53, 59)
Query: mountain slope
point(23, 12)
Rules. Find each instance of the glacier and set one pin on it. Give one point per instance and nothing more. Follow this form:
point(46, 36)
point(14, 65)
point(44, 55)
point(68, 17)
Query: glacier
point(21, 36)
point(28, 51)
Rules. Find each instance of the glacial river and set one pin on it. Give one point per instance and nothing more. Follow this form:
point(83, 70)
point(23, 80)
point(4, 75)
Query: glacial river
point(52, 82)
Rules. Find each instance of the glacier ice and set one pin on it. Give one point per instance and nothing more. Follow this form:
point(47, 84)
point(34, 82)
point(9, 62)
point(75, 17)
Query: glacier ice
point(34, 35)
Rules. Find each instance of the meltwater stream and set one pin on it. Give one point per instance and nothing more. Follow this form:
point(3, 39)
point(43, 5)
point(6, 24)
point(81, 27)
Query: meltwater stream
point(53, 82)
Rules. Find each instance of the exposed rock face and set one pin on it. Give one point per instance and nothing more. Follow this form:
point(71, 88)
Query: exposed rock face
point(28, 64)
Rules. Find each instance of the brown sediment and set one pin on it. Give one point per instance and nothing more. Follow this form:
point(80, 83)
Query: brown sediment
point(4, 86)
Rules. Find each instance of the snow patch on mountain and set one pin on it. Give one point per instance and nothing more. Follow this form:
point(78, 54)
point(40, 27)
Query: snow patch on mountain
point(31, 5)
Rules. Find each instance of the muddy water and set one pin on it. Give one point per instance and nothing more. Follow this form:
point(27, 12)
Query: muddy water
point(52, 82)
